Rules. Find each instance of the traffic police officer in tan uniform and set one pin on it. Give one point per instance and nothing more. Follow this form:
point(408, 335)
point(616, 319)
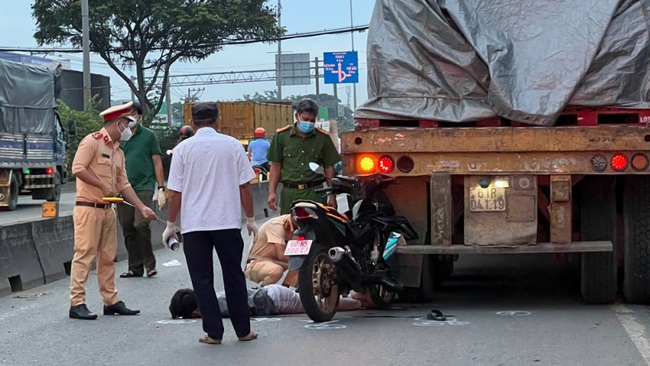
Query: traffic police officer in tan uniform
point(99, 168)
point(291, 151)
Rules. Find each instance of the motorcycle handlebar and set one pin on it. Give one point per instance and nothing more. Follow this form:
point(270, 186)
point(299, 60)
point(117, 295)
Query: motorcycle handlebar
point(321, 190)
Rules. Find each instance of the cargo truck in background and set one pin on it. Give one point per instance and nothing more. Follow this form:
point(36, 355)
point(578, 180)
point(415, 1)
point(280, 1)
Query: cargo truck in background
point(513, 130)
point(240, 119)
point(32, 139)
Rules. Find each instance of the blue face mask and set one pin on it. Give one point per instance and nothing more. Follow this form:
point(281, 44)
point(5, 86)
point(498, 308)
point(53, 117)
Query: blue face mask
point(306, 127)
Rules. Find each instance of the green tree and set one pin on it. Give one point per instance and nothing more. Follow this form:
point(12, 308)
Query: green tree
point(150, 35)
point(87, 122)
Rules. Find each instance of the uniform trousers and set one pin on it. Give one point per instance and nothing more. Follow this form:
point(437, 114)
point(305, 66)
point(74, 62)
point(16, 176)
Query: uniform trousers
point(198, 247)
point(288, 195)
point(269, 273)
point(95, 236)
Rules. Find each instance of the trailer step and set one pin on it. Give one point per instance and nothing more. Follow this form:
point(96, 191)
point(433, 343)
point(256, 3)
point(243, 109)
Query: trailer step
point(576, 247)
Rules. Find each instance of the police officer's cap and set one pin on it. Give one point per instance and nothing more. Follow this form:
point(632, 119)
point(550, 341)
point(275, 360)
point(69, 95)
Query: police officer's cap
point(122, 110)
point(203, 111)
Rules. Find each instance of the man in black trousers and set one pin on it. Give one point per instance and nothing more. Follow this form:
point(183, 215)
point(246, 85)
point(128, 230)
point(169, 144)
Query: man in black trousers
point(209, 182)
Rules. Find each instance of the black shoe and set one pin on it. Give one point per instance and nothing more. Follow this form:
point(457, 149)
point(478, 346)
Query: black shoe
point(81, 312)
point(119, 308)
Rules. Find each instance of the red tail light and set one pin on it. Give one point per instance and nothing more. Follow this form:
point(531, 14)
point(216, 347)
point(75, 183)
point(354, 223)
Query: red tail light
point(619, 162)
point(302, 213)
point(385, 164)
point(257, 171)
point(300, 238)
point(50, 170)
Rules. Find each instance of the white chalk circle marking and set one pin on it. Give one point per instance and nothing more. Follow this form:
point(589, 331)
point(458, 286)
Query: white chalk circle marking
point(266, 319)
point(513, 313)
point(325, 325)
point(424, 322)
point(176, 321)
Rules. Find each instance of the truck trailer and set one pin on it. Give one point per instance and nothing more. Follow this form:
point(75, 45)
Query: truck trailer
point(513, 128)
point(32, 139)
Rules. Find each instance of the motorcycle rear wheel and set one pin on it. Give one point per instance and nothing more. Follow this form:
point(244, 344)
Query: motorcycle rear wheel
point(318, 296)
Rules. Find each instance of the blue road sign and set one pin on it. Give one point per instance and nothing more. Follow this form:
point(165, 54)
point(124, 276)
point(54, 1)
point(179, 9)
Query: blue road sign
point(341, 67)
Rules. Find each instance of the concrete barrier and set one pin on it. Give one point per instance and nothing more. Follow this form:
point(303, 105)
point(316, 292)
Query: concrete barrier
point(20, 266)
point(54, 242)
point(41, 251)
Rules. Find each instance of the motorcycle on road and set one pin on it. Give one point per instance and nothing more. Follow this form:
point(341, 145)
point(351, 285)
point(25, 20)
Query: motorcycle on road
point(338, 252)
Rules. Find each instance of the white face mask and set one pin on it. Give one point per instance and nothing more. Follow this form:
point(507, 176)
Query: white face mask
point(126, 134)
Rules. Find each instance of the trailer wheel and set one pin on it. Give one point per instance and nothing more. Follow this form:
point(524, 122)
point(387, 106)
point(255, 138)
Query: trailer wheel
point(13, 195)
point(636, 214)
point(598, 222)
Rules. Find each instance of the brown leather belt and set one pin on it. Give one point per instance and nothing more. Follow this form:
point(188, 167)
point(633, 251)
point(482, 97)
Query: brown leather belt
point(95, 205)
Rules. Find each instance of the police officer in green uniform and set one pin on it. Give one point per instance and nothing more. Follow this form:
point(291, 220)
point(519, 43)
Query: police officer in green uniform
point(291, 151)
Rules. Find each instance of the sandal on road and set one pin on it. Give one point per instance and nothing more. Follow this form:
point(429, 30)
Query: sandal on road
point(152, 273)
point(207, 340)
point(129, 274)
point(249, 337)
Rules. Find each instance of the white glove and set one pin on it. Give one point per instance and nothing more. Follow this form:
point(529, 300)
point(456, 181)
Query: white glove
point(252, 227)
point(170, 232)
point(161, 198)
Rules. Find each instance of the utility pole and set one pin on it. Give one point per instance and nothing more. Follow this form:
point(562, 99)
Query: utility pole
point(354, 86)
point(132, 93)
point(279, 66)
point(317, 81)
point(168, 100)
point(85, 32)
point(336, 99)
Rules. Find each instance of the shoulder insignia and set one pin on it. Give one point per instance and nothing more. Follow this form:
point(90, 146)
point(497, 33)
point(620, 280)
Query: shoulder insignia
point(283, 129)
point(106, 140)
point(322, 131)
point(97, 135)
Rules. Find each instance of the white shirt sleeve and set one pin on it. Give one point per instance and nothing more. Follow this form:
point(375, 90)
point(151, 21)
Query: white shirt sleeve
point(175, 181)
point(246, 172)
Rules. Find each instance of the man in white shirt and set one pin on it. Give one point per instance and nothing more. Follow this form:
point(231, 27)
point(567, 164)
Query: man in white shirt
point(209, 182)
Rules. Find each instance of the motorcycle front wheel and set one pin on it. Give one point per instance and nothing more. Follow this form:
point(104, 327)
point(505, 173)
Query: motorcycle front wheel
point(318, 295)
point(381, 297)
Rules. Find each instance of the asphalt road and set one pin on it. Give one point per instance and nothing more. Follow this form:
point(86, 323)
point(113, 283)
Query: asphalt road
point(29, 209)
point(507, 310)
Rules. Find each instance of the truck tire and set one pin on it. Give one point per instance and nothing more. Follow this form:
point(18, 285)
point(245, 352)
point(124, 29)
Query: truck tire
point(55, 194)
point(636, 213)
point(598, 223)
point(13, 195)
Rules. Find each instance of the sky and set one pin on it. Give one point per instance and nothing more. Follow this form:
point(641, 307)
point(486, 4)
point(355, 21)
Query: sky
point(17, 28)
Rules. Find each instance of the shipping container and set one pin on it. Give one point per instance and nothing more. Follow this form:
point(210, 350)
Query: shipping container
point(240, 119)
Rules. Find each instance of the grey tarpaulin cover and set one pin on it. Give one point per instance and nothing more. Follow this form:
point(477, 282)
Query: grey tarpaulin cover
point(525, 60)
point(27, 99)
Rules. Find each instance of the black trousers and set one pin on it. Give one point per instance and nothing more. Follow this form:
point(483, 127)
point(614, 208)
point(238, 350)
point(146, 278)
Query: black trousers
point(229, 244)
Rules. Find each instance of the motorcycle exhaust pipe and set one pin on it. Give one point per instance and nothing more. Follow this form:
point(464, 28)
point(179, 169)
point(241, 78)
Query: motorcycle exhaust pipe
point(336, 254)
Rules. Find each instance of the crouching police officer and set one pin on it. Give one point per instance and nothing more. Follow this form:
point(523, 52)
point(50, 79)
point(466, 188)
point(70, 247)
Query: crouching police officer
point(99, 168)
point(291, 151)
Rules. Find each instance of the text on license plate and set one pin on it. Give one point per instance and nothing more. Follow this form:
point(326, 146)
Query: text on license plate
point(297, 247)
point(487, 199)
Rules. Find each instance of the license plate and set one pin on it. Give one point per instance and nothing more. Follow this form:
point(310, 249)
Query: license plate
point(297, 247)
point(487, 199)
